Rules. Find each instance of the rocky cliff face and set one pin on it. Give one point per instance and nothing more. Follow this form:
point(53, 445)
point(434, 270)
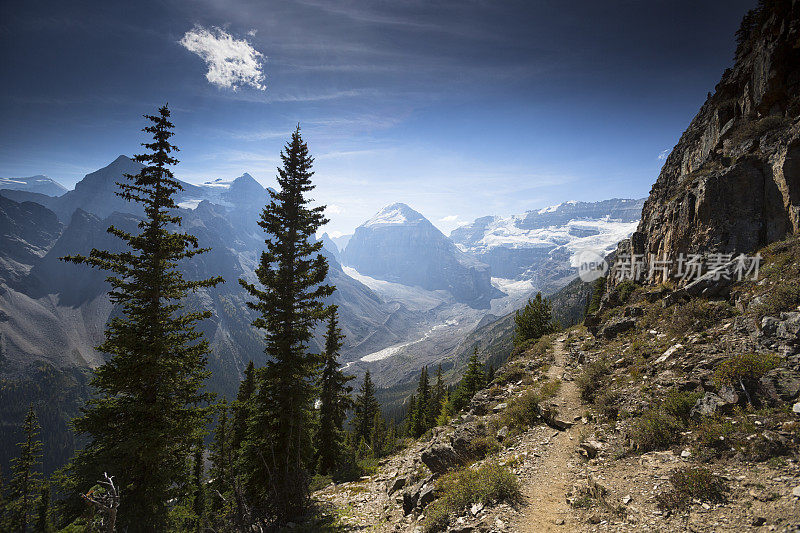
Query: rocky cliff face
point(732, 183)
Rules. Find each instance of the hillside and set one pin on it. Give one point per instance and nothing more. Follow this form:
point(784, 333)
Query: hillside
point(676, 406)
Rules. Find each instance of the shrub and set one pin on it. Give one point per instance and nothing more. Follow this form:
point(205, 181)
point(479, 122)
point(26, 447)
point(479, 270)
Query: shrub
point(484, 446)
point(522, 411)
point(607, 404)
point(679, 404)
point(693, 483)
point(592, 379)
point(695, 315)
point(549, 389)
point(744, 370)
point(655, 430)
point(625, 290)
point(715, 436)
point(489, 484)
point(784, 296)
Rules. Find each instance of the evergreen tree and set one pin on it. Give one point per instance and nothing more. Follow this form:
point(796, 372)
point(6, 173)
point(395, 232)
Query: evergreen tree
point(490, 374)
point(198, 486)
point(437, 398)
point(221, 471)
point(365, 408)
point(598, 290)
point(334, 396)
point(423, 402)
point(289, 301)
point(391, 437)
point(241, 410)
point(149, 406)
point(378, 437)
point(472, 382)
point(43, 524)
point(534, 320)
point(25, 483)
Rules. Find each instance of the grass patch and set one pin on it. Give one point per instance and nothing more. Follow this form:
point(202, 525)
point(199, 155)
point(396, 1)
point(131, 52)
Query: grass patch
point(489, 484)
point(693, 483)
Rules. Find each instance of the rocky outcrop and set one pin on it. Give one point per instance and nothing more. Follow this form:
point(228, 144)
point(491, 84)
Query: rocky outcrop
point(732, 183)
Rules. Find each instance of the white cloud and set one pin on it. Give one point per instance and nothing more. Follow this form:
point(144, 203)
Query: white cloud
point(449, 218)
point(334, 209)
point(663, 154)
point(232, 63)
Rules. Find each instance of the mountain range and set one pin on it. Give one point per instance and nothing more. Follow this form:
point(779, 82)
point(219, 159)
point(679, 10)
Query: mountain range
point(407, 294)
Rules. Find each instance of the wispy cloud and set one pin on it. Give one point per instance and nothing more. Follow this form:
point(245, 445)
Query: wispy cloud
point(334, 209)
point(232, 63)
point(662, 155)
point(449, 218)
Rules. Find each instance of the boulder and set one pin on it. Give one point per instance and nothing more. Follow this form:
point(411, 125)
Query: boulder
point(616, 326)
point(780, 385)
point(502, 433)
point(440, 458)
point(707, 406)
point(426, 496)
point(396, 485)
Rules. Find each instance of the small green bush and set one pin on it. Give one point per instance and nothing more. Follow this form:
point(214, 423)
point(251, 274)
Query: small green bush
point(696, 315)
point(592, 379)
point(679, 404)
point(785, 296)
point(607, 403)
point(489, 484)
point(625, 290)
point(715, 436)
point(549, 389)
point(484, 446)
point(655, 430)
point(693, 483)
point(319, 482)
point(744, 369)
point(522, 411)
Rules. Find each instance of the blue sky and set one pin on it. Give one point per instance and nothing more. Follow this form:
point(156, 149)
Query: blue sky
point(460, 108)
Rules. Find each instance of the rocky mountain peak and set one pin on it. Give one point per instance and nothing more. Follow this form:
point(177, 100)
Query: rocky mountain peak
point(732, 183)
point(397, 214)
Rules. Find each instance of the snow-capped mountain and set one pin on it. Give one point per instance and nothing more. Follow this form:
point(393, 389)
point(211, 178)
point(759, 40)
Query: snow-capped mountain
point(37, 184)
point(541, 245)
point(400, 245)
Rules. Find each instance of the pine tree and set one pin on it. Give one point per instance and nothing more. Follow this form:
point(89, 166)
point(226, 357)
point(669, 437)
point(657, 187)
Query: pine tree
point(149, 407)
point(423, 402)
point(241, 408)
point(289, 301)
point(334, 396)
point(437, 398)
point(378, 437)
point(198, 487)
point(365, 408)
point(490, 374)
point(43, 524)
point(240, 415)
point(220, 488)
point(391, 437)
point(25, 484)
point(534, 320)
